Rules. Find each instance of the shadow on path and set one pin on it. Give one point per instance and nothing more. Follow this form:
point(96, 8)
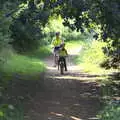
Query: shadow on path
point(73, 96)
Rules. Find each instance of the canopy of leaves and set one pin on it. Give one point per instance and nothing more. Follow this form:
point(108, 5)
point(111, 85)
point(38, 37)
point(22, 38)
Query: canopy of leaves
point(99, 16)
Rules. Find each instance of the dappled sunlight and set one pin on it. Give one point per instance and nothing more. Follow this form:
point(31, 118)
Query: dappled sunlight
point(38, 62)
point(51, 68)
point(75, 51)
point(70, 67)
point(74, 67)
point(93, 118)
point(69, 96)
point(75, 118)
point(64, 116)
point(81, 78)
point(57, 114)
point(82, 37)
point(70, 117)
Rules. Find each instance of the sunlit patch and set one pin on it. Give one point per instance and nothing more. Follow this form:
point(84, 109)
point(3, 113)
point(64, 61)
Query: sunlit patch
point(93, 118)
point(76, 104)
point(75, 118)
point(75, 51)
point(51, 68)
point(74, 67)
point(57, 114)
point(36, 63)
point(67, 77)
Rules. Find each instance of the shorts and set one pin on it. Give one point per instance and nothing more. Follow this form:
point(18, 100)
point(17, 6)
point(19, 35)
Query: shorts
point(56, 51)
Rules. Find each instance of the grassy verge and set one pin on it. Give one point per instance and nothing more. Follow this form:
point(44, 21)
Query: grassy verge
point(40, 53)
point(23, 65)
point(27, 64)
point(90, 58)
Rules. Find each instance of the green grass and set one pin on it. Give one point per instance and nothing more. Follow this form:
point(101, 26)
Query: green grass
point(25, 64)
point(40, 53)
point(90, 58)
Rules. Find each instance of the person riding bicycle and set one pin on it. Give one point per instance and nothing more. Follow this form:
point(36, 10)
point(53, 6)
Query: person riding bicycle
point(62, 55)
point(56, 44)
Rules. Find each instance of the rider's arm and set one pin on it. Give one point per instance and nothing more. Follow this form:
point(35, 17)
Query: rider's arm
point(66, 52)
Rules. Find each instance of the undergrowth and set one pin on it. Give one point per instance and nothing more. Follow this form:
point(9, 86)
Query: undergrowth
point(110, 112)
point(27, 66)
point(91, 56)
point(28, 63)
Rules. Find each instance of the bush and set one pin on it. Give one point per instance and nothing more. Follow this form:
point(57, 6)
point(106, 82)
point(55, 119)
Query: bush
point(25, 37)
point(9, 112)
point(111, 112)
point(92, 56)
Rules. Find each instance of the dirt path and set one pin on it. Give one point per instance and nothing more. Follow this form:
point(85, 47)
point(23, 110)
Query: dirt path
point(73, 96)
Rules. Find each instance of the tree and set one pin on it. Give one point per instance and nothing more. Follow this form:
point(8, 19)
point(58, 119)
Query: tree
point(28, 23)
point(100, 16)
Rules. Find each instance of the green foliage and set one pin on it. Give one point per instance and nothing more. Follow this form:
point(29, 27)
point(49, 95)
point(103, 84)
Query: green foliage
point(113, 52)
point(94, 53)
point(91, 56)
point(56, 24)
point(5, 48)
point(4, 33)
point(39, 53)
point(9, 112)
point(29, 40)
point(111, 112)
point(23, 65)
point(105, 14)
point(99, 17)
point(4, 29)
point(27, 24)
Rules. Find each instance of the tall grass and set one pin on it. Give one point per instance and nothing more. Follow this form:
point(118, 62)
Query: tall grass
point(91, 56)
point(23, 64)
point(29, 63)
point(40, 53)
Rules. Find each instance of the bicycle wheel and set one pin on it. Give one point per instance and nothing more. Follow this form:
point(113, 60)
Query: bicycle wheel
point(61, 67)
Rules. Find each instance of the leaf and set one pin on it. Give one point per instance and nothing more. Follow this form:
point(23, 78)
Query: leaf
point(1, 114)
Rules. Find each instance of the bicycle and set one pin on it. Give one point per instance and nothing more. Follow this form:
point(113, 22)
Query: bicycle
point(61, 64)
point(56, 53)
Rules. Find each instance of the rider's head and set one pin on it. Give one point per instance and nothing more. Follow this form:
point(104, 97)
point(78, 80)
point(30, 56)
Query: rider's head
point(57, 34)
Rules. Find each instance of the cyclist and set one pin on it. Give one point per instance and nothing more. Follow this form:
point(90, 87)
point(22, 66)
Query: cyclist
point(62, 55)
point(56, 44)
